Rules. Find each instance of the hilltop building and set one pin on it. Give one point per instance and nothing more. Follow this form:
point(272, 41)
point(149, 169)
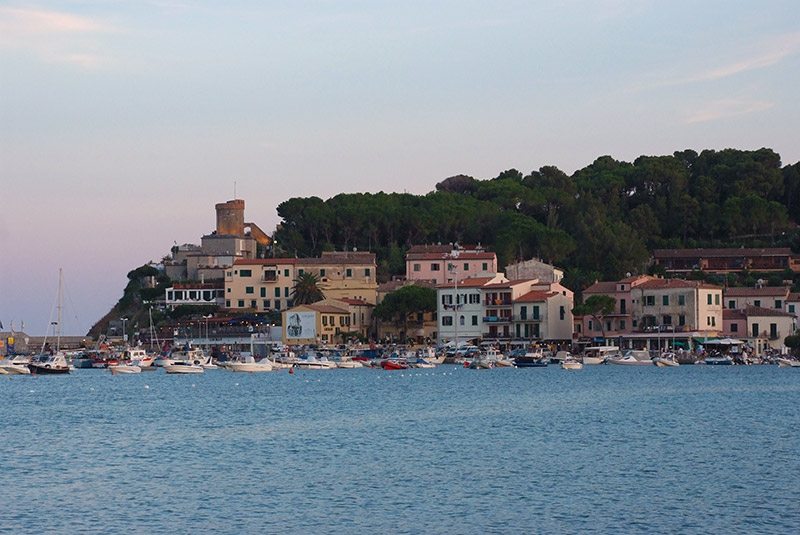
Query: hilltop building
point(682, 261)
point(443, 263)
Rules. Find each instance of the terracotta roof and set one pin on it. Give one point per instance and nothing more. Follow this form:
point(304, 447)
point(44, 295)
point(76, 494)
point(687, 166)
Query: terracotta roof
point(756, 292)
point(354, 302)
point(509, 284)
point(733, 252)
point(761, 311)
point(265, 261)
point(461, 256)
point(439, 248)
point(601, 288)
point(391, 286)
point(473, 282)
point(794, 297)
point(733, 314)
point(535, 296)
point(666, 284)
point(325, 309)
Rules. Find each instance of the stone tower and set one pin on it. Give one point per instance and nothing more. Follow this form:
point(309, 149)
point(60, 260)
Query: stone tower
point(230, 218)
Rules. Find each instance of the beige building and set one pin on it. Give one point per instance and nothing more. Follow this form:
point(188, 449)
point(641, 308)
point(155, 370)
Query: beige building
point(774, 297)
point(318, 323)
point(260, 285)
point(421, 326)
point(676, 305)
point(544, 313)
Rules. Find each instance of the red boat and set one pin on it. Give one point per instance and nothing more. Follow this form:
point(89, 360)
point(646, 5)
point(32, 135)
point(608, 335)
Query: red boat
point(394, 364)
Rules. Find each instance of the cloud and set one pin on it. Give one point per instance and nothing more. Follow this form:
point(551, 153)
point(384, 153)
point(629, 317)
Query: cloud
point(725, 108)
point(53, 36)
point(773, 53)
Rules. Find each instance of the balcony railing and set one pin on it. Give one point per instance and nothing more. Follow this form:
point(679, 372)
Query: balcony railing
point(498, 319)
point(497, 302)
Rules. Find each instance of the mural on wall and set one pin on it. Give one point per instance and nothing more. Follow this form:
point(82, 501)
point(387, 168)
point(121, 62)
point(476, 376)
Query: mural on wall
point(301, 325)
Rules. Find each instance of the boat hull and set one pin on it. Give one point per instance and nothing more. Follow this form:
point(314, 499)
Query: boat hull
point(49, 370)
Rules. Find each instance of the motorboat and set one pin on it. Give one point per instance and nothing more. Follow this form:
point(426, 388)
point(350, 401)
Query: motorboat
point(138, 355)
point(717, 359)
point(133, 367)
point(788, 363)
point(394, 364)
point(666, 360)
point(183, 367)
point(599, 354)
point(16, 366)
point(569, 362)
point(531, 359)
point(480, 362)
point(251, 365)
point(348, 363)
point(633, 357)
point(312, 362)
point(46, 364)
point(422, 363)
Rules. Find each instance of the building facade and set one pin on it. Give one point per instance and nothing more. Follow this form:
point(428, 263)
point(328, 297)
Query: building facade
point(442, 263)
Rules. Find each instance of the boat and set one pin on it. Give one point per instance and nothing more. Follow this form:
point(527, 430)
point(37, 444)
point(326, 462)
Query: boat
point(312, 362)
point(788, 363)
point(183, 367)
point(16, 366)
point(666, 360)
point(532, 359)
point(47, 364)
point(250, 365)
point(54, 363)
point(481, 362)
point(394, 364)
point(348, 363)
point(422, 363)
point(599, 354)
point(633, 357)
point(138, 355)
point(571, 364)
point(132, 367)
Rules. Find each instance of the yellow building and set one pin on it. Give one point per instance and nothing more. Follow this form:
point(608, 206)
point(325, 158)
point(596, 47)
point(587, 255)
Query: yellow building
point(318, 323)
point(261, 285)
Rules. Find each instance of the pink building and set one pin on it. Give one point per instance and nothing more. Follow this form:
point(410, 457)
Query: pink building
point(618, 323)
point(441, 264)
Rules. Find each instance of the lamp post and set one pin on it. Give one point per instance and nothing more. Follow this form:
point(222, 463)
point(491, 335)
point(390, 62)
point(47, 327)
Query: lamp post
point(124, 333)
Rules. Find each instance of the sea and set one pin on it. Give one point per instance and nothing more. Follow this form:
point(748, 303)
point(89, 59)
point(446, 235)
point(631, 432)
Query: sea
point(605, 449)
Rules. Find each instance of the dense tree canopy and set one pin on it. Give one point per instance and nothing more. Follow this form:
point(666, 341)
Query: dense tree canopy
point(603, 220)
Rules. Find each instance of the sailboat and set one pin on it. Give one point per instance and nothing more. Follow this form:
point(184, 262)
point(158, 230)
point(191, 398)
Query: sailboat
point(53, 362)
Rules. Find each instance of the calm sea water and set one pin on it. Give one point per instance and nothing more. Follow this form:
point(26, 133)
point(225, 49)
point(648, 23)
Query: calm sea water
point(606, 449)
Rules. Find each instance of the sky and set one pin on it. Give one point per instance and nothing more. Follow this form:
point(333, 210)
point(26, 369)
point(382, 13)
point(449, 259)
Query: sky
point(122, 123)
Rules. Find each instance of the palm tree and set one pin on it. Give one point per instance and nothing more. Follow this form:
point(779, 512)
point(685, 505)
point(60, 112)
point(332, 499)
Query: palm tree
point(306, 289)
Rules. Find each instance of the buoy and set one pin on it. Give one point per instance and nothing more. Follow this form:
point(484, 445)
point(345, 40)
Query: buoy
point(291, 370)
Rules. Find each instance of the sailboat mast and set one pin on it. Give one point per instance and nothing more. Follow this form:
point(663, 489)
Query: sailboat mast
point(58, 326)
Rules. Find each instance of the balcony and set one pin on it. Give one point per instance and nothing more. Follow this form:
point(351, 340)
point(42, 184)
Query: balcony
point(497, 319)
point(497, 302)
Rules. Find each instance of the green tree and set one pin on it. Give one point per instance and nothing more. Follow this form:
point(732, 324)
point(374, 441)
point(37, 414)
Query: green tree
point(411, 299)
point(306, 289)
point(598, 306)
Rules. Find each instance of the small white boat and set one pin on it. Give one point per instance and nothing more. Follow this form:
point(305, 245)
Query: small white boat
point(571, 364)
point(599, 354)
point(251, 366)
point(312, 362)
point(16, 366)
point(633, 357)
point(125, 368)
point(183, 367)
point(422, 363)
point(666, 360)
point(348, 364)
point(788, 363)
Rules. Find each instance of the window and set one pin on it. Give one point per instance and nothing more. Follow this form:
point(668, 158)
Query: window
point(249, 290)
point(665, 300)
point(285, 272)
point(773, 330)
point(650, 300)
point(474, 299)
point(716, 299)
point(523, 313)
point(322, 272)
point(536, 312)
point(270, 275)
point(325, 320)
point(447, 299)
point(227, 303)
point(263, 292)
point(240, 303)
point(713, 321)
point(682, 300)
point(474, 320)
point(791, 309)
point(734, 327)
point(682, 320)
point(622, 325)
point(367, 272)
point(229, 289)
point(466, 266)
point(245, 272)
point(562, 312)
point(253, 304)
point(635, 323)
point(277, 292)
point(461, 320)
point(731, 304)
point(666, 320)
point(435, 267)
point(757, 303)
point(447, 321)
point(485, 266)
point(590, 325)
point(266, 303)
point(348, 272)
point(417, 267)
point(286, 291)
point(709, 299)
point(609, 326)
point(277, 304)
point(299, 272)
point(778, 304)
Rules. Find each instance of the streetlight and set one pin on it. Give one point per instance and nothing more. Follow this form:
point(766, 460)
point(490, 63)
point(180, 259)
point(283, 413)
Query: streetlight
point(124, 333)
